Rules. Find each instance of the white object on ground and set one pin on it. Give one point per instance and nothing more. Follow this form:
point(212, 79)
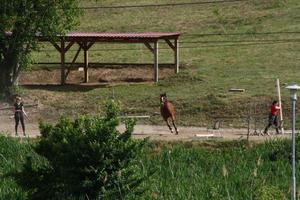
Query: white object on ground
point(204, 135)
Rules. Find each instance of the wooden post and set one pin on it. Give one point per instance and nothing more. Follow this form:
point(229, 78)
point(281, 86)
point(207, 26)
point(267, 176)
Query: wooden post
point(62, 61)
point(176, 54)
point(175, 48)
point(86, 64)
point(279, 103)
point(73, 61)
point(155, 70)
point(248, 120)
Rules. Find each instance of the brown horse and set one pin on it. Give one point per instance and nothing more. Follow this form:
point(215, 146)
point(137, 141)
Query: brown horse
point(167, 111)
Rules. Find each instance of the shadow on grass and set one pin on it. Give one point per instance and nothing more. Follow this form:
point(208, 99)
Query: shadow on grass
point(66, 87)
point(83, 87)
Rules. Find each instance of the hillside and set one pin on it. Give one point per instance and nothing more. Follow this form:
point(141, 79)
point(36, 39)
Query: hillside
point(242, 44)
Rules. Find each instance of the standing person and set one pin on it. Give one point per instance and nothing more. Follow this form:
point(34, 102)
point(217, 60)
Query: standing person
point(273, 117)
point(19, 115)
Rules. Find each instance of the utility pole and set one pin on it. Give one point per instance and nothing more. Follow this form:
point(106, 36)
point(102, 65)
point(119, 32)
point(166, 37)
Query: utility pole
point(293, 89)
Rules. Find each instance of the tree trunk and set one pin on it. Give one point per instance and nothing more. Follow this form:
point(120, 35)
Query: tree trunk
point(9, 72)
point(6, 76)
point(5, 82)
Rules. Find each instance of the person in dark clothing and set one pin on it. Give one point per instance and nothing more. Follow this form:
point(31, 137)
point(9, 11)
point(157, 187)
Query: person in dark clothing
point(273, 118)
point(19, 113)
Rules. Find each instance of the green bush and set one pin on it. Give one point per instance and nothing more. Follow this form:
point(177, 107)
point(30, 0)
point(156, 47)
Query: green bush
point(12, 157)
point(87, 158)
point(269, 192)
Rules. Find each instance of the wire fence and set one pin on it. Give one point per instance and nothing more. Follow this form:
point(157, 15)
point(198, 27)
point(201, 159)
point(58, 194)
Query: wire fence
point(160, 5)
point(254, 120)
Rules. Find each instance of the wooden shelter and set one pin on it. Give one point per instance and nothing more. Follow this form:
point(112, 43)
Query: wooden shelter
point(88, 39)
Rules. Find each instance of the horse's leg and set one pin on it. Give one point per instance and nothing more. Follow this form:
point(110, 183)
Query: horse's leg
point(169, 125)
point(176, 130)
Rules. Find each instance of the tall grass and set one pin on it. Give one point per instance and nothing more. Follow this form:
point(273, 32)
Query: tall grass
point(231, 170)
point(207, 170)
point(12, 156)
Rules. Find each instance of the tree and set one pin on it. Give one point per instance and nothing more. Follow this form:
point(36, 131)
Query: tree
point(87, 158)
point(20, 22)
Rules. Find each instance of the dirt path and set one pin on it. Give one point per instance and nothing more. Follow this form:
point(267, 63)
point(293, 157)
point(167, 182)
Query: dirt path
point(131, 73)
point(154, 132)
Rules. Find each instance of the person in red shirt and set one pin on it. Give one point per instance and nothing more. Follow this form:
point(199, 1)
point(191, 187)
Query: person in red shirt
point(273, 117)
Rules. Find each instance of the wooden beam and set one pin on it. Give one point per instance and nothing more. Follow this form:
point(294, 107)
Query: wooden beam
point(86, 63)
point(56, 46)
point(73, 61)
point(27, 106)
point(176, 56)
point(69, 46)
point(149, 47)
point(280, 105)
point(62, 61)
point(155, 70)
point(76, 55)
point(175, 48)
point(236, 90)
point(86, 45)
point(81, 44)
point(134, 117)
point(170, 44)
point(96, 64)
point(89, 45)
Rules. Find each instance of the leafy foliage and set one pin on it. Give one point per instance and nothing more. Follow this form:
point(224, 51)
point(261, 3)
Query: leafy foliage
point(220, 170)
point(184, 170)
point(12, 157)
point(268, 192)
point(86, 158)
point(20, 22)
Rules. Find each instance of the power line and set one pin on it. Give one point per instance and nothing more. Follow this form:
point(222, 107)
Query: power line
point(158, 5)
point(237, 45)
point(242, 41)
point(250, 33)
point(196, 47)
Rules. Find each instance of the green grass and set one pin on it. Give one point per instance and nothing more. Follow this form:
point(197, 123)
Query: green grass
point(12, 156)
point(213, 66)
point(228, 170)
point(189, 170)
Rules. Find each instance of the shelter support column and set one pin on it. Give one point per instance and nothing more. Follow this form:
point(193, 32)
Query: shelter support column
point(155, 70)
point(175, 48)
point(86, 65)
point(154, 51)
point(86, 46)
point(63, 50)
point(62, 61)
point(176, 56)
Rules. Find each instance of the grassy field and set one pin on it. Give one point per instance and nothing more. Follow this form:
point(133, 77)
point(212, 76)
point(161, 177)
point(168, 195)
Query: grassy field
point(12, 157)
point(255, 43)
point(228, 170)
point(223, 45)
point(198, 170)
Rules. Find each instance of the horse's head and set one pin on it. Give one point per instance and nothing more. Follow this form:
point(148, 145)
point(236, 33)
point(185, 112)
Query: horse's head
point(163, 98)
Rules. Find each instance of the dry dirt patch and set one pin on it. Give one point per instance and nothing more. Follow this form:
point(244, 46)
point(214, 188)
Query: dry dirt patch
point(96, 75)
point(154, 132)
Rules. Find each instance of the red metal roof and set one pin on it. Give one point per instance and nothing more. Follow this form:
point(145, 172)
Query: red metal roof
point(111, 37)
point(115, 35)
point(153, 35)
